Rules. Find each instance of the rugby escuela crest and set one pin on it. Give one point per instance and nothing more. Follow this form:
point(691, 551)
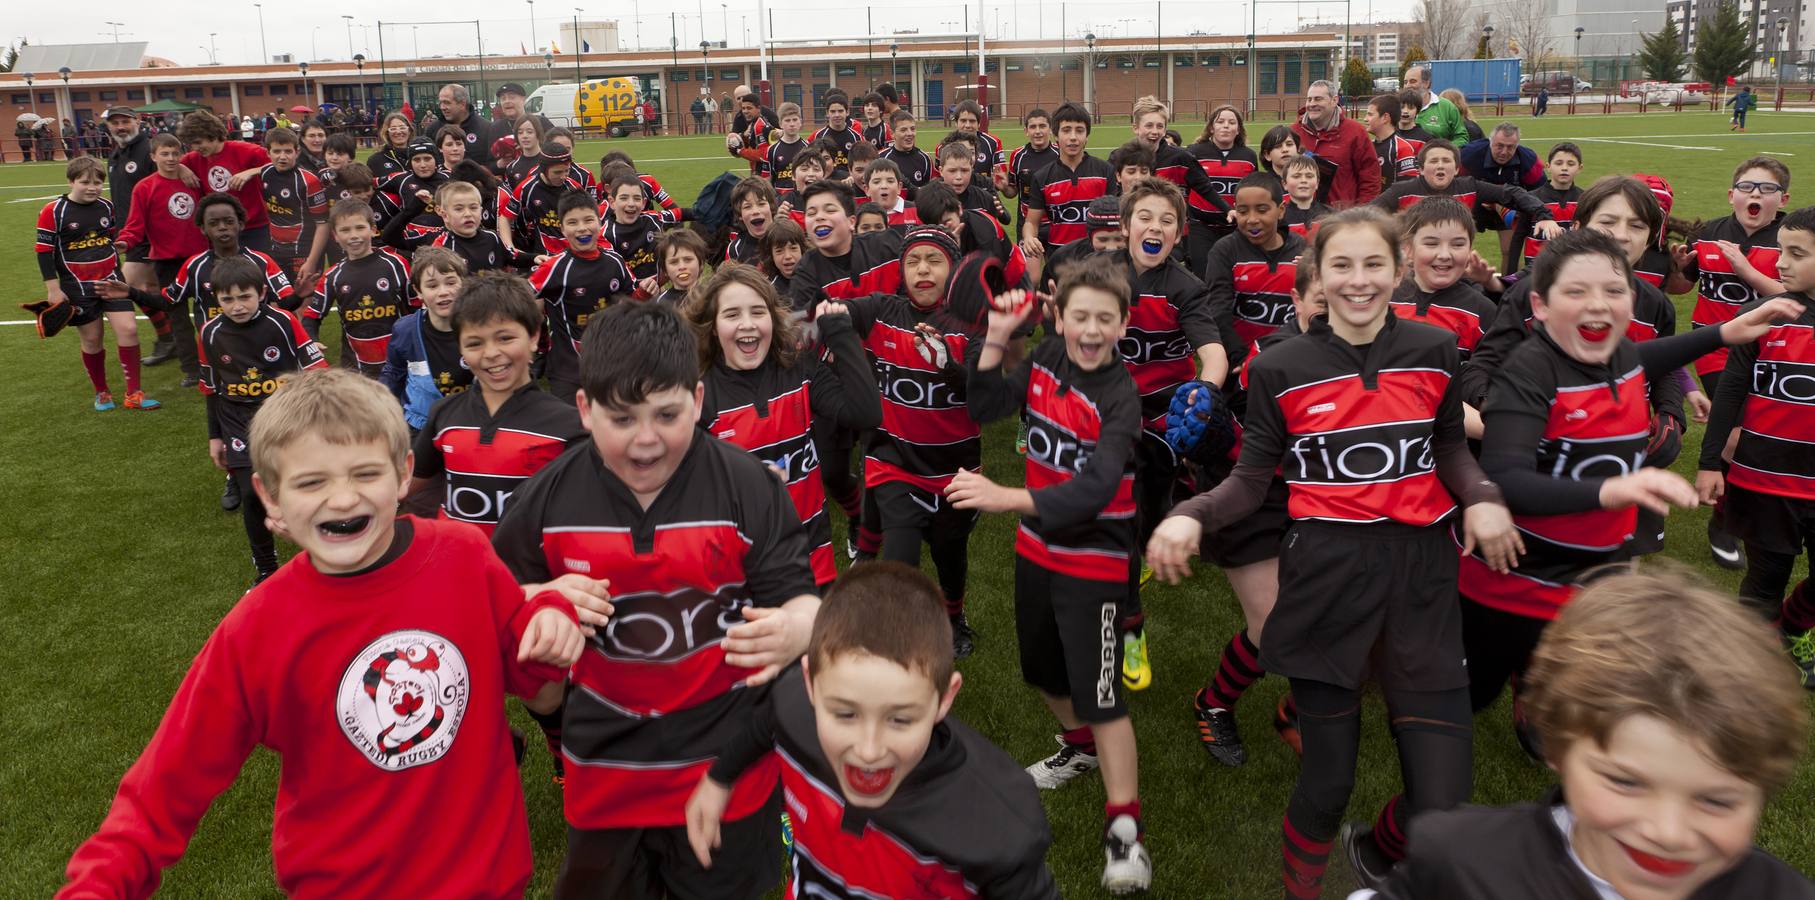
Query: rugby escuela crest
point(402, 698)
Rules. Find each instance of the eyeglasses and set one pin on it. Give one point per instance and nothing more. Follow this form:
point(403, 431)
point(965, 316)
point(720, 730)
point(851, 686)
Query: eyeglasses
point(1766, 188)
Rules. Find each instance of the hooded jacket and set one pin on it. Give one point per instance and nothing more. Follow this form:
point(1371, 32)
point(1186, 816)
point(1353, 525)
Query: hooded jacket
point(1347, 144)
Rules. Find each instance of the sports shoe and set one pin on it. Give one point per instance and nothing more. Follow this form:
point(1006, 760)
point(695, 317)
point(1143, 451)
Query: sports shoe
point(1054, 771)
point(1217, 730)
point(850, 548)
point(1728, 554)
point(189, 381)
point(1146, 574)
point(964, 638)
point(1126, 866)
point(1369, 865)
point(1137, 671)
point(787, 831)
point(138, 400)
point(1285, 722)
point(230, 496)
point(162, 351)
point(103, 401)
point(1526, 734)
point(1801, 648)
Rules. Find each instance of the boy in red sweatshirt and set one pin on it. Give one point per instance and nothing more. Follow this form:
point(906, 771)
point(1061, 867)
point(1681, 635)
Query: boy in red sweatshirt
point(374, 664)
point(162, 210)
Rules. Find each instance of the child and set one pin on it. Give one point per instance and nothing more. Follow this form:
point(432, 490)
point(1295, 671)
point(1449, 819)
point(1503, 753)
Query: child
point(1367, 549)
point(945, 811)
point(1439, 246)
point(633, 235)
point(1558, 193)
point(1768, 488)
point(1025, 160)
point(838, 135)
point(1250, 273)
point(231, 166)
point(753, 205)
point(336, 154)
point(1437, 163)
point(374, 664)
point(778, 155)
point(875, 125)
point(481, 443)
point(975, 230)
point(683, 255)
point(1668, 734)
point(842, 264)
point(1077, 536)
point(573, 285)
point(414, 192)
point(863, 154)
point(781, 252)
point(764, 393)
point(1397, 153)
point(967, 121)
point(422, 361)
point(1223, 153)
point(76, 255)
point(1131, 162)
point(462, 208)
point(916, 167)
point(1058, 195)
point(884, 190)
point(298, 209)
point(1303, 180)
point(531, 215)
point(558, 142)
point(657, 202)
point(809, 167)
point(450, 143)
point(1170, 161)
point(695, 534)
point(1411, 102)
point(957, 157)
point(371, 288)
point(1277, 147)
point(871, 218)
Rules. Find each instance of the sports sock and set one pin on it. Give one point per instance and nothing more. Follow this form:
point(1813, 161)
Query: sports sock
point(550, 723)
point(1239, 668)
point(1389, 829)
point(1112, 810)
point(160, 322)
point(1082, 738)
point(1305, 860)
point(1132, 624)
point(851, 501)
point(129, 363)
point(869, 541)
point(1798, 612)
point(96, 364)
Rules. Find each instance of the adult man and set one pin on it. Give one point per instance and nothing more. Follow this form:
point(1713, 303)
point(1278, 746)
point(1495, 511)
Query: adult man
point(508, 113)
point(699, 115)
point(129, 163)
point(1436, 115)
point(1350, 167)
point(456, 108)
point(1500, 159)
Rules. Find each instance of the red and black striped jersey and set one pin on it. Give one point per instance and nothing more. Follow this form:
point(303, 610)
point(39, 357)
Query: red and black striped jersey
point(194, 285)
point(743, 249)
point(572, 286)
point(1025, 160)
point(1063, 195)
point(879, 135)
point(873, 266)
point(533, 214)
point(927, 433)
point(916, 167)
point(635, 243)
point(427, 217)
point(770, 412)
point(1226, 167)
point(1398, 158)
point(373, 292)
point(904, 218)
point(778, 162)
point(1303, 221)
point(653, 698)
point(481, 457)
point(75, 245)
point(1768, 391)
point(1719, 291)
point(1169, 318)
point(837, 143)
point(483, 251)
point(1562, 206)
point(961, 825)
point(1179, 166)
point(1082, 427)
point(659, 204)
point(1460, 309)
point(240, 365)
point(1465, 190)
point(1250, 289)
point(1654, 266)
point(297, 204)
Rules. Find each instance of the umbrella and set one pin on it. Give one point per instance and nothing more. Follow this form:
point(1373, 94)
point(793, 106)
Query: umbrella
point(30, 118)
point(301, 110)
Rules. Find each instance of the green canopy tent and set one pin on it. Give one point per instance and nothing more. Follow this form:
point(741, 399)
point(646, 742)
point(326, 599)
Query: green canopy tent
point(167, 106)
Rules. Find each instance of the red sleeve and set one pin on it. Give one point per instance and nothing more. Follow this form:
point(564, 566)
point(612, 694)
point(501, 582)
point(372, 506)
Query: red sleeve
point(507, 203)
point(134, 229)
point(198, 164)
point(1534, 175)
point(307, 351)
point(47, 228)
point(275, 279)
point(539, 278)
point(196, 753)
point(512, 614)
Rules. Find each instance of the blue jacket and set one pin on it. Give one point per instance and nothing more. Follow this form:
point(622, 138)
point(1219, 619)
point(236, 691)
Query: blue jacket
point(406, 369)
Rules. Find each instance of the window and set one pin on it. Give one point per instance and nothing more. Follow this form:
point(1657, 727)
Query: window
point(1319, 69)
point(1014, 67)
point(22, 98)
point(961, 68)
point(279, 90)
point(192, 93)
point(1293, 75)
point(934, 68)
point(1181, 62)
point(78, 96)
point(1068, 65)
point(1150, 62)
point(222, 91)
point(1124, 62)
point(792, 73)
point(255, 90)
point(302, 90)
point(872, 71)
point(1269, 74)
point(822, 71)
point(847, 71)
point(108, 96)
point(47, 97)
point(135, 94)
point(682, 75)
point(1211, 59)
point(729, 74)
point(166, 93)
point(702, 75)
point(1236, 60)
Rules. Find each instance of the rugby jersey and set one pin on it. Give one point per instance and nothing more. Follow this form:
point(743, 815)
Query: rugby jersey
point(240, 365)
point(1250, 289)
point(1063, 195)
point(1022, 163)
point(217, 173)
point(1398, 156)
point(194, 284)
point(1719, 292)
point(1768, 390)
point(1562, 207)
point(837, 143)
point(481, 457)
point(1179, 166)
point(425, 218)
point(634, 243)
point(1303, 222)
point(163, 215)
point(916, 167)
point(927, 433)
point(75, 245)
point(878, 134)
point(1465, 190)
point(778, 162)
point(572, 286)
point(297, 204)
point(533, 213)
point(373, 292)
point(744, 249)
point(1225, 167)
point(1460, 309)
point(483, 251)
point(1169, 318)
point(873, 266)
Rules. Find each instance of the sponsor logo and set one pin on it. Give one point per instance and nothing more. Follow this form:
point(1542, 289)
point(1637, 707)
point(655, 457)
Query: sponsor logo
point(1362, 456)
point(1787, 381)
point(669, 626)
point(284, 193)
point(1576, 415)
point(219, 178)
point(584, 567)
point(402, 698)
point(1320, 408)
point(1057, 449)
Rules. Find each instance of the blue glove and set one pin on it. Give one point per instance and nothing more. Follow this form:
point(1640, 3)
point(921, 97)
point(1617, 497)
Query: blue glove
point(1198, 425)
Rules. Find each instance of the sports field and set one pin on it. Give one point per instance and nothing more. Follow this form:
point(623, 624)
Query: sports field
point(116, 562)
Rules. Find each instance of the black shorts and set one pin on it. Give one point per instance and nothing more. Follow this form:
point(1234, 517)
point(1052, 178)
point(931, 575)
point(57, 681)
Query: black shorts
point(1071, 645)
point(137, 254)
point(1774, 523)
point(1361, 601)
point(1254, 539)
point(1489, 217)
point(903, 505)
point(657, 863)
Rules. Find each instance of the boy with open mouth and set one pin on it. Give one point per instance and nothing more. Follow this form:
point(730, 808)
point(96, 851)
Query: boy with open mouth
point(1250, 273)
point(370, 288)
point(575, 284)
point(753, 205)
point(1054, 199)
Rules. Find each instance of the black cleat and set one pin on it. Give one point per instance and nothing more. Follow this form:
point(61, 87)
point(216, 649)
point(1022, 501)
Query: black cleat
point(230, 498)
point(1725, 549)
point(1369, 865)
point(964, 639)
point(1217, 730)
point(189, 381)
point(162, 351)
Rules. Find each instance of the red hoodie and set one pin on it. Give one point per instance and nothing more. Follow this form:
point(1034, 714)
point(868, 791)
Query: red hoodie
point(1347, 144)
point(383, 696)
point(163, 211)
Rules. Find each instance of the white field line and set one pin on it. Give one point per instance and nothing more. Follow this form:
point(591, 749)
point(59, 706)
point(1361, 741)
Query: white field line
point(1645, 144)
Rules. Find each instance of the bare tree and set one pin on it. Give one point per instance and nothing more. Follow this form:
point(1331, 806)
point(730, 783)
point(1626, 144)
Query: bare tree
point(1528, 28)
point(1445, 27)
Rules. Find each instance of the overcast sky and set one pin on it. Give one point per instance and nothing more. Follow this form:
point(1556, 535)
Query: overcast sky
point(313, 30)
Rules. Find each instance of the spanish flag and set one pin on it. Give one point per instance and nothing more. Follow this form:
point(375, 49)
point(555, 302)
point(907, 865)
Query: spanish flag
point(554, 48)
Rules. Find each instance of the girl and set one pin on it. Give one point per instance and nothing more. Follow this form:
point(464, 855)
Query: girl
point(1224, 153)
point(763, 393)
point(1360, 417)
point(529, 151)
point(422, 363)
point(1277, 148)
point(391, 159)
point(781, 248)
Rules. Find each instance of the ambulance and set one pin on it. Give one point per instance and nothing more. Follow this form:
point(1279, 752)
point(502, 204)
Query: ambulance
point(598, 104)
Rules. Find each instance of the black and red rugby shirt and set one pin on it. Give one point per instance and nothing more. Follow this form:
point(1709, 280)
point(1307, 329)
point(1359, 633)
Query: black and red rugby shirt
point(1562, 206)
point(871, 266)
point(1460, 309)
point(1768, 391)
point(1719, 291)
point(916, 167)
point(837, 144)
point(927, 433)
point(532, 212)
point(1250, 288)
point(634, 243)
point(1398, 156)
point(75, 245)
point(373, 292)
point(1082, 427)
point(425, 217)
point(1169, 318)
point(1183, 168)
point(483, 252)
point(962, 824)
point(240, 365)
point(482, 457)
point(194, 285)
point(778, 162)
point(1466, 190)
point(572, 286)
point(1303, 222)
point(1063, 194)
point(298, 205)
point(653, 699)
point(1225, 167)
point(770, 411)
point(1022, 163)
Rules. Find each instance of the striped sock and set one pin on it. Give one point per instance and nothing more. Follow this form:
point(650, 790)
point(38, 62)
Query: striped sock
point(851, 502)
point(160, 321)
point(1239, 668)
point(1389, 829)
point(1082, 738)
point(1798, 613)
point(1305, 860)
point(869, 540)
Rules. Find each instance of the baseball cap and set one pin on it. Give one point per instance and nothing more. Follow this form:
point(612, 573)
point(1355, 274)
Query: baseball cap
point(112, 111)
point(511, 87)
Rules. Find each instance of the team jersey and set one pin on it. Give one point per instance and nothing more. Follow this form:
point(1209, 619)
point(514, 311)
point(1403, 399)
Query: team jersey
point(927, 434)
point(1398, 156)
point(194, 285)
point(1764, 391)
point(386, 163)
point(1226, 167)
point(1082, 427)
point(743, 249)
point(634, 243)
point(163, 214)
point(424, 217)
point(770, 411)
point(1562, 207)
point(778, 162)
point(1022, 163)
point(1719, 292)
point(1063, 195)
point(240, 365)
point(372, 292)
point(482, 457)
point(1653, 267)
point(1169, 317)
point(1303, 222)
point(873, 266)
point(653, 697)
point(1401, 195)
point(533, 212)
point(989, 156)
point(916, 167)
point(572, 286)
point(1250, 289)
point(75, 245)
point(982, 232)
point(983, 199)
point(483, 252)
point(1459, 309)
point(297, 205)
point(879, 134)
point(1177, 165)
point(217, 173)
point(837, 144)
point(962, 824)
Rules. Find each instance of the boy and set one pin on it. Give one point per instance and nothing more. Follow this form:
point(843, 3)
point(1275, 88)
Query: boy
point(875, 125)
point(683, 256)
point(1439, 245)
point(863, 154)
point(1649, 803)
point(337, 153)
point(243, 351)
point(658, 201)
point(532, 212)
point(462, 208)
point(1397, 153)
point(1025, 160)
point(1410, 103)
point(1058, 194)
point(916, 167)
point(1437, 168)
point(778, 156)
point(838, 134)
point(880, 657)
point(753, 205)
point(371, 288)
point(1558, 193)
point(968, 122)
point(809, 167)
point(1302, 178)
point(219, 164)
point(76, 255)
point(781, 251)
point(481, 443)
point(632, 235)
point(1131, 162)
point(871, 218)
point(884, 189)
point(1076, 541)
point(415, 191)
point(422, 362)
point(374, 664)
point(695, 534)
point(1250, 273)
point(1170, 161)
point(1769, 489)
point(575, 284)
point(956, 159)
point(450, 144)
point(842, 264)
point(297, 206)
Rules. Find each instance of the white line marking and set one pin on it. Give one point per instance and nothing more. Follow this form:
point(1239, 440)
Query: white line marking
point(1646, 144)
point(35, 321)
point(35, 199)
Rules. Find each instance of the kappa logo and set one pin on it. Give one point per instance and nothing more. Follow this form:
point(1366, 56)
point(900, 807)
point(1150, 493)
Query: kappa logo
point(1320, 408)
point(1779, 343)
point(271, 354)
point(1106, 672)
point(402, 698)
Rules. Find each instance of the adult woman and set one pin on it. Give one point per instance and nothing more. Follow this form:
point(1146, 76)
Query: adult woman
point(392, 158)
point(1468, 118)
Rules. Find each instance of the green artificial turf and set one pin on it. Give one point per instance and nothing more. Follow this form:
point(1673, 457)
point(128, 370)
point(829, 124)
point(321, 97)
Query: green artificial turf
point(116, 563)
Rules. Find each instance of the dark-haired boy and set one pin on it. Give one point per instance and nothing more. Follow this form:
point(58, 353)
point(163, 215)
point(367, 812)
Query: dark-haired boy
point(945, 812)
point(632, 233)
point(695, 536)
point(975, 230)
point(875, 126)
point(1025, 160)
point(842, 264)
point(1131, 162)
point(1438, 246)
point(882, 183)
point(1249, 274)
point(531, 218)
point(916, 167)
point(682, 255)
point(222, 164)
point(1059, 194)
point(1558, 193)
point(1302, 207)
point(967, 121)
point(371, 287)
point(957, 159)
point(573, 285)
point(1397, 153)
point(1104, 220)
point(838, 134)
point(298, 209)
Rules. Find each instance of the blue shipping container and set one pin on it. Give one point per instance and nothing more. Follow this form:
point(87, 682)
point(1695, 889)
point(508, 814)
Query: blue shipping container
point(1477, 79)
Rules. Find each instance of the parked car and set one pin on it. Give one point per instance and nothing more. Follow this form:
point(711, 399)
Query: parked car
point(1386, 85)
point(1555, 82)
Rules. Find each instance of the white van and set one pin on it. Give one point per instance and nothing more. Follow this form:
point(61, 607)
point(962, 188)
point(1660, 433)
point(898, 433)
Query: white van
point(608, 104)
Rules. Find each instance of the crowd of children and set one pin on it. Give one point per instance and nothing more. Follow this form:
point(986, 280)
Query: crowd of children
point(1415, 471)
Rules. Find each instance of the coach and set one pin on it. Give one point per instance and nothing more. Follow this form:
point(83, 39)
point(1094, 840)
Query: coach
point(1436, 115)
point(508, 113)
point(1500, 159)
point(456, 108)
point(1342, 143)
